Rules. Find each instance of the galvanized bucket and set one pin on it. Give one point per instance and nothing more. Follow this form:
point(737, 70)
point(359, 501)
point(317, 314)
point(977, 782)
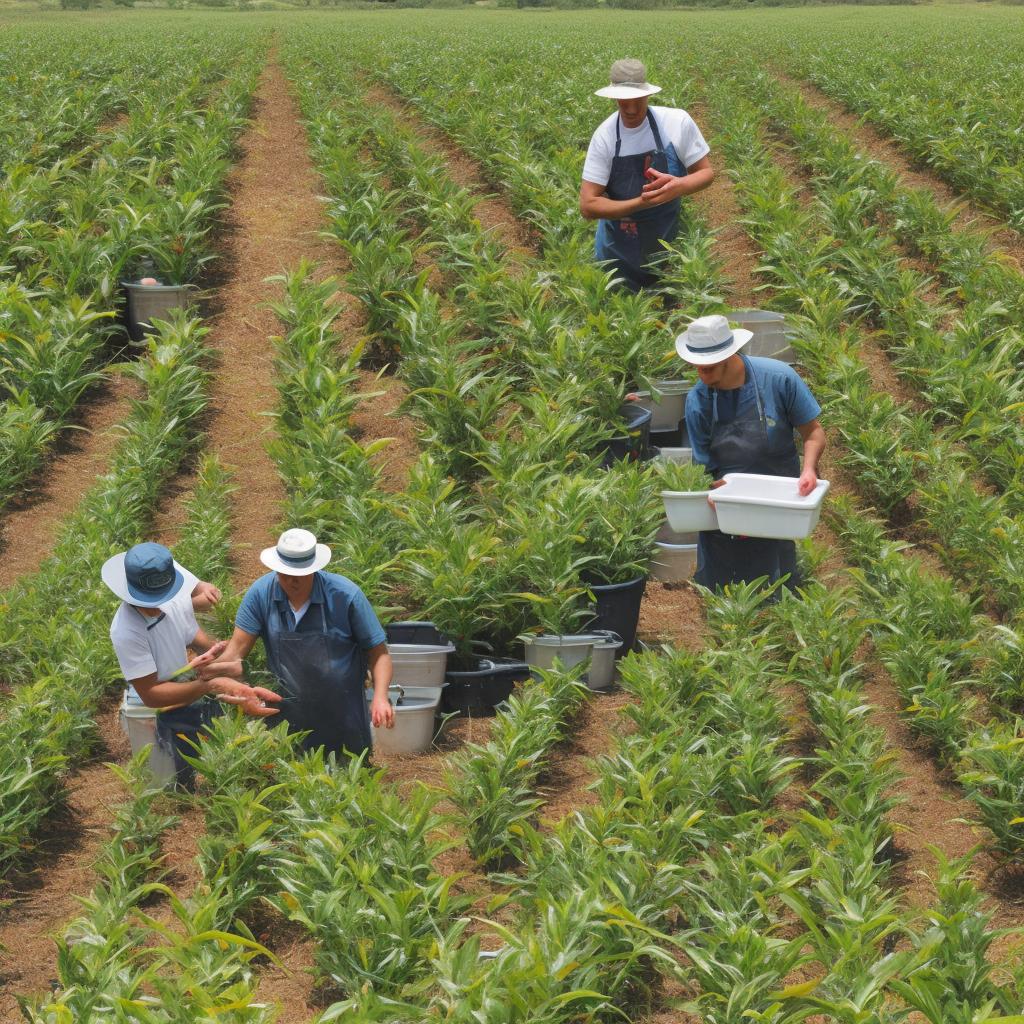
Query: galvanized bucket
point(147, 302)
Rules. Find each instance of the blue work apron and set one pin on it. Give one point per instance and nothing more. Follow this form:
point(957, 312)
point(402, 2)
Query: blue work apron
point(318, 696)
point(745, 445)
point(632, 246)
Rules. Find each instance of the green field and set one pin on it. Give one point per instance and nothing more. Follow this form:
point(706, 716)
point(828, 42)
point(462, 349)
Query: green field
point(809, 809)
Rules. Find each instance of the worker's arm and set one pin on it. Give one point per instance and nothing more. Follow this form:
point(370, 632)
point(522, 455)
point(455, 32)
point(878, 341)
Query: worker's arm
point(381, 669)
point(663, 188)
point(204, 596)
point(594, 204)
point(813, 435)
point(239, 646)
point(170, 693)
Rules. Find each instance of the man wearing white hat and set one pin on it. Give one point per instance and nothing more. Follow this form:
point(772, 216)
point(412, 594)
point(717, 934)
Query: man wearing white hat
point(741, 417)
point(321, 636)
point(152, 632)
point(641, 161)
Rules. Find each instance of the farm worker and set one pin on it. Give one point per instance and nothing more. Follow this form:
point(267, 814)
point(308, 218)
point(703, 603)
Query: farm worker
point(151, 633)
point(642, 160)
point(741, 417)
point(321, 636)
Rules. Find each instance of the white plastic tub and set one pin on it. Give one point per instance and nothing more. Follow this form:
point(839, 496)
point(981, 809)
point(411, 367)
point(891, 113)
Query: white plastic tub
point(570, 649)
point(753, 505)
point(681, 456)
point(139, 723)
point(666, 403)
point(419, 664)
point(415, 725)
point(601, 673)
point(689, 511)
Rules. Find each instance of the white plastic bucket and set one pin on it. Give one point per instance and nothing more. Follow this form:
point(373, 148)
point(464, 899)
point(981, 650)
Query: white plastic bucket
point(415, 725)
point(419, 664)
point(667, 403)
point(689, 511)
point(770, 336)
point(139, 723)
point(570, 649)
point(681, 456)
point(601, 673)
point(754, 505)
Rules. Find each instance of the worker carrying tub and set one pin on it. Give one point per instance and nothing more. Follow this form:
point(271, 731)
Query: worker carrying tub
point(321, 637)
point(741, 417)
point(152, 632)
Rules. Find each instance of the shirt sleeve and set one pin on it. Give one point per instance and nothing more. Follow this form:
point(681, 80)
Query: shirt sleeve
point(366, 627)
point(597, 168)
point(801, 406)
point(689, 142)
point(133, 655)
point(698, 429)
point(251, 615)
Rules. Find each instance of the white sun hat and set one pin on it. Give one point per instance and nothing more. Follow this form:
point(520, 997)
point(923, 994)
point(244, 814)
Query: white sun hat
point(710, 339)
point(628, 81)
point(296, 554)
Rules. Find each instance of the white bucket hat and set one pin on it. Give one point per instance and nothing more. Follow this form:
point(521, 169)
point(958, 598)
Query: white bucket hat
point(628, 81)
point(710, 339)
point(296, 554)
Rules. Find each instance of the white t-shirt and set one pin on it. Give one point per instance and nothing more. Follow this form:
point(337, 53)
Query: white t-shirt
point(674, 125)
point(144, 646)
point(300, 611)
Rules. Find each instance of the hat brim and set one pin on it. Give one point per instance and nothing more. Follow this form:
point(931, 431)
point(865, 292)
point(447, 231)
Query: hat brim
point(270, 558)
point(114, 577)
point(698, 358)
point(628, 92)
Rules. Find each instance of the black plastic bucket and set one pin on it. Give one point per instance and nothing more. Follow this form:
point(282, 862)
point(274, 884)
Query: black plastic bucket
point(634, 443)
point(477, 691)
point(415, 633)
point(618, 609)
point(670, 438)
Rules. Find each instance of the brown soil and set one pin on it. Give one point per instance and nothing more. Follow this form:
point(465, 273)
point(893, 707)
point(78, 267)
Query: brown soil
point(30, 527)
point(733, 245)
point(271, 225)
point(672, 613)
point(493, 212)
point(36, 905)
point(888, 151)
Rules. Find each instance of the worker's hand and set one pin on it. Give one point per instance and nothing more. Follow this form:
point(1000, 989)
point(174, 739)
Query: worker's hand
point(204, 596)
point(207, 657)
point(808, 481)
point(660, 188)
point(382, 714)
point(253, 700)
point(231, 668)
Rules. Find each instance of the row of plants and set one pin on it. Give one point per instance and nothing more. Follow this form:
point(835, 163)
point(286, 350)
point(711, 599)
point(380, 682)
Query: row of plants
point(54, 624)
point(71, 230)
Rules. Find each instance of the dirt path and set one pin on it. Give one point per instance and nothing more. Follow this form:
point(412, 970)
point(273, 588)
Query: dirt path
point(38, 904)
point(29, 531)
point(889, 152)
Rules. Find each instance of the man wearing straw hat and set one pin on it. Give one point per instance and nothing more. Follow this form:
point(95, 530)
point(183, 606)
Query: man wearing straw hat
point(641, 161)
point(741, 417)
point(152, 632)
point(321, 636)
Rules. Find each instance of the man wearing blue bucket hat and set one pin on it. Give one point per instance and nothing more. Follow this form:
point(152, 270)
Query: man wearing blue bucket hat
point(152, 632)
point(742, 417)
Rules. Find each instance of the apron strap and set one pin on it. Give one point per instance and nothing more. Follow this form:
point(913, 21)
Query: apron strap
point(658, 147)
point(761, 418)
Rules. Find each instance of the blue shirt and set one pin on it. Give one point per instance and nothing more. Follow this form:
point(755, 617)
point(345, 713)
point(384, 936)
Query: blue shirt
point(349, 618)
point(788, 403)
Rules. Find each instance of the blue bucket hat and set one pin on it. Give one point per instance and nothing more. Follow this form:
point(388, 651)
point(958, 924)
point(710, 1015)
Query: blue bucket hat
point(145, 575)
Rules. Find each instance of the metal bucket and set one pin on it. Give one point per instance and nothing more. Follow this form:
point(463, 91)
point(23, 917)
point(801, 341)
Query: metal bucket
point(601, 673)
point(570, 649)
point(770, 339)
point(149, 301)
point(666, 404)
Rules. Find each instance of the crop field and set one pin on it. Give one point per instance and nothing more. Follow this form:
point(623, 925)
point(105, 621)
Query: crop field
point(809, 809)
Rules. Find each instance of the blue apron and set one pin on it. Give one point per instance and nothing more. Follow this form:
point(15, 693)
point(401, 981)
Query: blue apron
point(317, 696)
point(632, 246)
point(745, 445)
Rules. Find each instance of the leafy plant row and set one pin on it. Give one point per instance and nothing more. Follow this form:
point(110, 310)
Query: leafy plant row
point(70, 231)
point(53, 626)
